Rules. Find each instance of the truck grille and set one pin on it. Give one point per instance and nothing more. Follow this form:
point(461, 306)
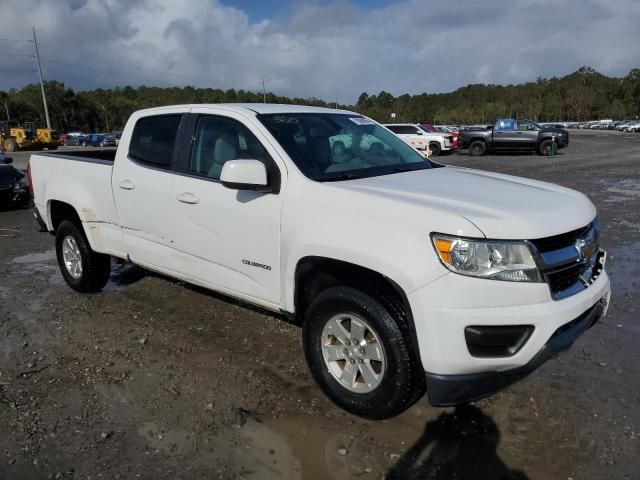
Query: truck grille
point(562, 279)
point(569, 259)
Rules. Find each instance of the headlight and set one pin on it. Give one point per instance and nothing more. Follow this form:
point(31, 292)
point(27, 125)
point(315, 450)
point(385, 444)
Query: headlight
point(509, 261)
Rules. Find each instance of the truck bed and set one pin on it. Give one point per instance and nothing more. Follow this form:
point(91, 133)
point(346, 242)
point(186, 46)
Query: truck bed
point(81, 179)
point(96, 156)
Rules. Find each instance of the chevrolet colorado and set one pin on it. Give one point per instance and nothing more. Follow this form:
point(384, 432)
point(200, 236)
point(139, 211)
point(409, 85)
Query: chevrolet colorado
point(514, 135)
point(407, 276)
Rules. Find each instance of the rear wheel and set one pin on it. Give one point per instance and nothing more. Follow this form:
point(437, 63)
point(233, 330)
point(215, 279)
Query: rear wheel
point(10, 145)
point(83, 269)
point(477, 148)
point(359, 351)
point(435, 149)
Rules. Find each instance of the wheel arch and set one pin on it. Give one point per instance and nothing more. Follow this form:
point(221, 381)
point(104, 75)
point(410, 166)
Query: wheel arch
point(316, 273)
point(57, 211)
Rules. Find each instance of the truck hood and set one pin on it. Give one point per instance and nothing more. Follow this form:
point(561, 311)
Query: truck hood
point(501, 206)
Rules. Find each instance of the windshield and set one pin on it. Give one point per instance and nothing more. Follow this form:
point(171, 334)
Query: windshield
point(336, 146)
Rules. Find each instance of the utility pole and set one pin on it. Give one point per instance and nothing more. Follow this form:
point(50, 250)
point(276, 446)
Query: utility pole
point(44, 97)
point(264, 92)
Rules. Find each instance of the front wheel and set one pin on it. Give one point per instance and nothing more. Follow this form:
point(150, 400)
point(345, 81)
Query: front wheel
point(546, 148)
point(10, 145)
point(83, 269)
point(435, 149)
point(359, 351)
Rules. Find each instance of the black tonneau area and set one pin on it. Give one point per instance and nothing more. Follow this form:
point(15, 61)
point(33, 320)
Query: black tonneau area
point(105, 156)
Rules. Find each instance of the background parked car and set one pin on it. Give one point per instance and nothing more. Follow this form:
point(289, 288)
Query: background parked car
point(4, 159)
point(13, 187)
point(73, 141)
point(421, 139)
point(98, 140)
point(455, 134)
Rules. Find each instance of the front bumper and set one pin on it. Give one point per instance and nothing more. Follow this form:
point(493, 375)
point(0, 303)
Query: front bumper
point(443, 309)
point(447, 390)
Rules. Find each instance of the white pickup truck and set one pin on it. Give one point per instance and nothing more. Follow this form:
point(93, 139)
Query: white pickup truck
point(422, 139)
point(407, 276)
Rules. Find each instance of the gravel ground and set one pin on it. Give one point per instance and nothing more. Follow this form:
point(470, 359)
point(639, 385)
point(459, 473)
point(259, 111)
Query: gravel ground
point(153, 378)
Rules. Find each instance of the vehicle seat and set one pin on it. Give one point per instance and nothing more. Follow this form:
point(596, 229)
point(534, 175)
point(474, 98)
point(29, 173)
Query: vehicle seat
point(225, 149)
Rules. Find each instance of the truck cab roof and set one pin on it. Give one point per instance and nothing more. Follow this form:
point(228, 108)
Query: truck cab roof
point(259, 108)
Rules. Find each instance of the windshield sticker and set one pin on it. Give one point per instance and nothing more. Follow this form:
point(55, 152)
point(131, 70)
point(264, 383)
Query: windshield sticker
point(362, 121)
point(282, 119)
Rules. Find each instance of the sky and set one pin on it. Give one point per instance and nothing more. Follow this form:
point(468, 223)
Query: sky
point(333, 50)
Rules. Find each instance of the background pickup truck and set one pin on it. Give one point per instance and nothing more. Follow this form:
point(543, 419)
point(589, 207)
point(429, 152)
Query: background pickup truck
point(509, 134)
point(406, 276)
point(422, 139)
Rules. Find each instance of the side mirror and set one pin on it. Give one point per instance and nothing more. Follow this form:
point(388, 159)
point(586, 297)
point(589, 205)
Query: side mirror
point(418, 133)
point(5, 160)
point(245, 175)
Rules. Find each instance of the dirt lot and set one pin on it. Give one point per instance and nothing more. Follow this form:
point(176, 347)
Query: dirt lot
point(155, 379)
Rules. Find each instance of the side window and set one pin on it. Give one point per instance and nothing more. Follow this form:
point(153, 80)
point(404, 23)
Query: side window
point(524, 126)
point(403, 129)
point(153, 140)
point(505, 125)
point(218, 140)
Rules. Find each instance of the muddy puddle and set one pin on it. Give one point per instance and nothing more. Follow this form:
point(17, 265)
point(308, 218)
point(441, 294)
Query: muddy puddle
point(623, 268)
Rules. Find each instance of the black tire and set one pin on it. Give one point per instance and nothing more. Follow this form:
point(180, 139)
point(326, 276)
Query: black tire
point(545, 148)
point(477, 148)
point(53, 147)
point(435, 149)
point(403, 381)
point(96, 267)
point(10, 145)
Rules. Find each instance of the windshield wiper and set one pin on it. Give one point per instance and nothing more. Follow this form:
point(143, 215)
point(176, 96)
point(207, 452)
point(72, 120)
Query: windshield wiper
point(341, 177)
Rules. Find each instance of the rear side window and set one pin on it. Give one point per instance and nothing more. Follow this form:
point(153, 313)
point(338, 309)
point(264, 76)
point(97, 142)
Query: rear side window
point(403, 129)
point(154, 139)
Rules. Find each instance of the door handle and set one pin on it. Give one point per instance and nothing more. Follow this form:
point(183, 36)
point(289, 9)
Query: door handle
point(187, 197)
point(127, 185)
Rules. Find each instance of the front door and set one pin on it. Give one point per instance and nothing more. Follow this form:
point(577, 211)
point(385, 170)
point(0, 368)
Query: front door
point(527, 135)
point(231, 238)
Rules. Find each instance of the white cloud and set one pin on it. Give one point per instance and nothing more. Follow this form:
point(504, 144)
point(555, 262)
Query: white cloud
point(325, 51)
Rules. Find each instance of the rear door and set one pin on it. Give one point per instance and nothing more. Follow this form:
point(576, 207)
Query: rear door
point(230, 239)
point(505, 135)
point(142, 187)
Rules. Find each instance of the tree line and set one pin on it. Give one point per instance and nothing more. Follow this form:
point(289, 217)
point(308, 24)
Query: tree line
point(581, 96)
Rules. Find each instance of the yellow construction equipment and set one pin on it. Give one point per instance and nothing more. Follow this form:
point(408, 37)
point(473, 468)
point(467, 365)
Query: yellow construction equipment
point(26, 137)
point(47, 138)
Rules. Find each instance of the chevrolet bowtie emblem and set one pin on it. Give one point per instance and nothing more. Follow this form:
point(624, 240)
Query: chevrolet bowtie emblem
point(584, 248)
